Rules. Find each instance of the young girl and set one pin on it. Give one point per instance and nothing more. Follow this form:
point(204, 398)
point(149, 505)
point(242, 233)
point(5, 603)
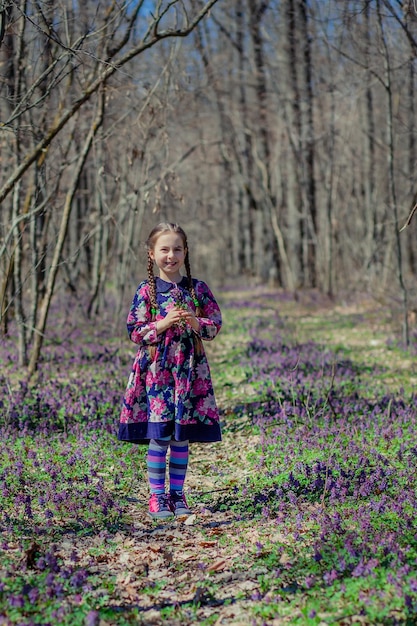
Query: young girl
point(169, 399)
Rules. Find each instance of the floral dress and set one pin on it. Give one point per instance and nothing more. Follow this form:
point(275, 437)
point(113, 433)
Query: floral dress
point(169, 391)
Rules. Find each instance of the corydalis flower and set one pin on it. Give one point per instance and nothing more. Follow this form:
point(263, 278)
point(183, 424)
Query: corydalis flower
point(92, 618)
point(180, 303)
point(178, 296)
point(17, 601)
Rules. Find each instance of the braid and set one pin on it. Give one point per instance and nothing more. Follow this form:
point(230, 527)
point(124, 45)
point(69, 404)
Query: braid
point(152, 298)
point(198, 344)
point(152, 288)
point(191, 286)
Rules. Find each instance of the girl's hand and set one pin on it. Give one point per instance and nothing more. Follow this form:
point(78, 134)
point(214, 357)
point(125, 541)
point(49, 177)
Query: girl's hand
point(191, 319)
point(173, 316)
point(177, 316)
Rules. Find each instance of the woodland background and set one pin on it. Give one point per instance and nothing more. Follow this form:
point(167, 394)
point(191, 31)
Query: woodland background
point(280, 133)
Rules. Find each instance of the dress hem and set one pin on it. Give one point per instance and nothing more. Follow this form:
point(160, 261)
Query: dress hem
point(143, 432)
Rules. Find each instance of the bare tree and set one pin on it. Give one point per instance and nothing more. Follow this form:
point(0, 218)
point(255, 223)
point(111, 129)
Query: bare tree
point(76, 62)
point(284, 131)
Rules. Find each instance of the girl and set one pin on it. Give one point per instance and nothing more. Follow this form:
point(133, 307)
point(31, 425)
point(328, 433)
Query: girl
point(169, 399)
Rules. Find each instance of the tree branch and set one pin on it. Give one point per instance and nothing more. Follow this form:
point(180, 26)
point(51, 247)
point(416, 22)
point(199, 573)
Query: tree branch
point(109, 70)
point(409, 218)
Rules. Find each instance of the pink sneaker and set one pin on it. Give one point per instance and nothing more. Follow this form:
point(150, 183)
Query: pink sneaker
point(159, 506)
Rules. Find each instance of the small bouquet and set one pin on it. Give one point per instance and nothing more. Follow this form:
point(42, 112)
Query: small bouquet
point(180, 304)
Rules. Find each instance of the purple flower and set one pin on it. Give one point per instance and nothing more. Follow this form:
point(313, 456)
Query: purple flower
point(41, 563)
point(17, 601)
point(309, 582)
point(79, 578)
point(92, 618)
point(33, 595)
point(359, 570)
point(330, 577)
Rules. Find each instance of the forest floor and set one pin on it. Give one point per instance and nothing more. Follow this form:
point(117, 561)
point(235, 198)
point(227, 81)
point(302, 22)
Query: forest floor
point(305, 513)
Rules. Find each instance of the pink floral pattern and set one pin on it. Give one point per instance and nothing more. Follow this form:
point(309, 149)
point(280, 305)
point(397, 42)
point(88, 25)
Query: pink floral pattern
point(171, 392)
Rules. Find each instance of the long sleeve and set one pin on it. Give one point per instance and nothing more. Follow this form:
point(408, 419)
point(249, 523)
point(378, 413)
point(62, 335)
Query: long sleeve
point(140, 328)
point(211, 317)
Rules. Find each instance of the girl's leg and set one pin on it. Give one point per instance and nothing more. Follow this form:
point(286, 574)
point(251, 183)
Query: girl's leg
point(178, 464)
point(159, 502)
point(156, 462)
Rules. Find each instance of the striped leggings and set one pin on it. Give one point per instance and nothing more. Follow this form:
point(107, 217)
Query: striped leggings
point(156, 463)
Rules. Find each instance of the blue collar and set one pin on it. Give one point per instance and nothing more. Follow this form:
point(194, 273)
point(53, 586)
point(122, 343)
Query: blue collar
point(162, 286)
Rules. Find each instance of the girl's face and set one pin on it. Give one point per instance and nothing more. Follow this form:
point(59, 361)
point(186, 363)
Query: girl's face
point(169, 254)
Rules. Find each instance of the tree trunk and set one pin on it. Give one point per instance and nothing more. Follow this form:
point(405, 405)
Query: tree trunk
point(99, 237)
point(308, 141)
point(266, 257)
point(50, 284)
point(369, 154)
point(411, 162)
point(18, 284)
point(391, 175)
point(290, 176)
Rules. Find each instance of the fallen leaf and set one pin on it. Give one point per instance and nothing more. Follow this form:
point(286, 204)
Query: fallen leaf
point(182, 557)
point(129, 542)
point(155, 547)
point(176, 534)
point(122, 579)
point(285, 558)
point(216, 531)
point(182, 577)
point(102, 558)
point(131, 592)
point(217, 566)
point(124, 557)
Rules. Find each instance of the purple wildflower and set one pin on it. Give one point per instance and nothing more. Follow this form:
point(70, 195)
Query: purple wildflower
point(92, 618)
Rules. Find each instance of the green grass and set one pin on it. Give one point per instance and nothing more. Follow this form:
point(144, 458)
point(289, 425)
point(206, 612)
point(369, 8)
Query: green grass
point(261, 549)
